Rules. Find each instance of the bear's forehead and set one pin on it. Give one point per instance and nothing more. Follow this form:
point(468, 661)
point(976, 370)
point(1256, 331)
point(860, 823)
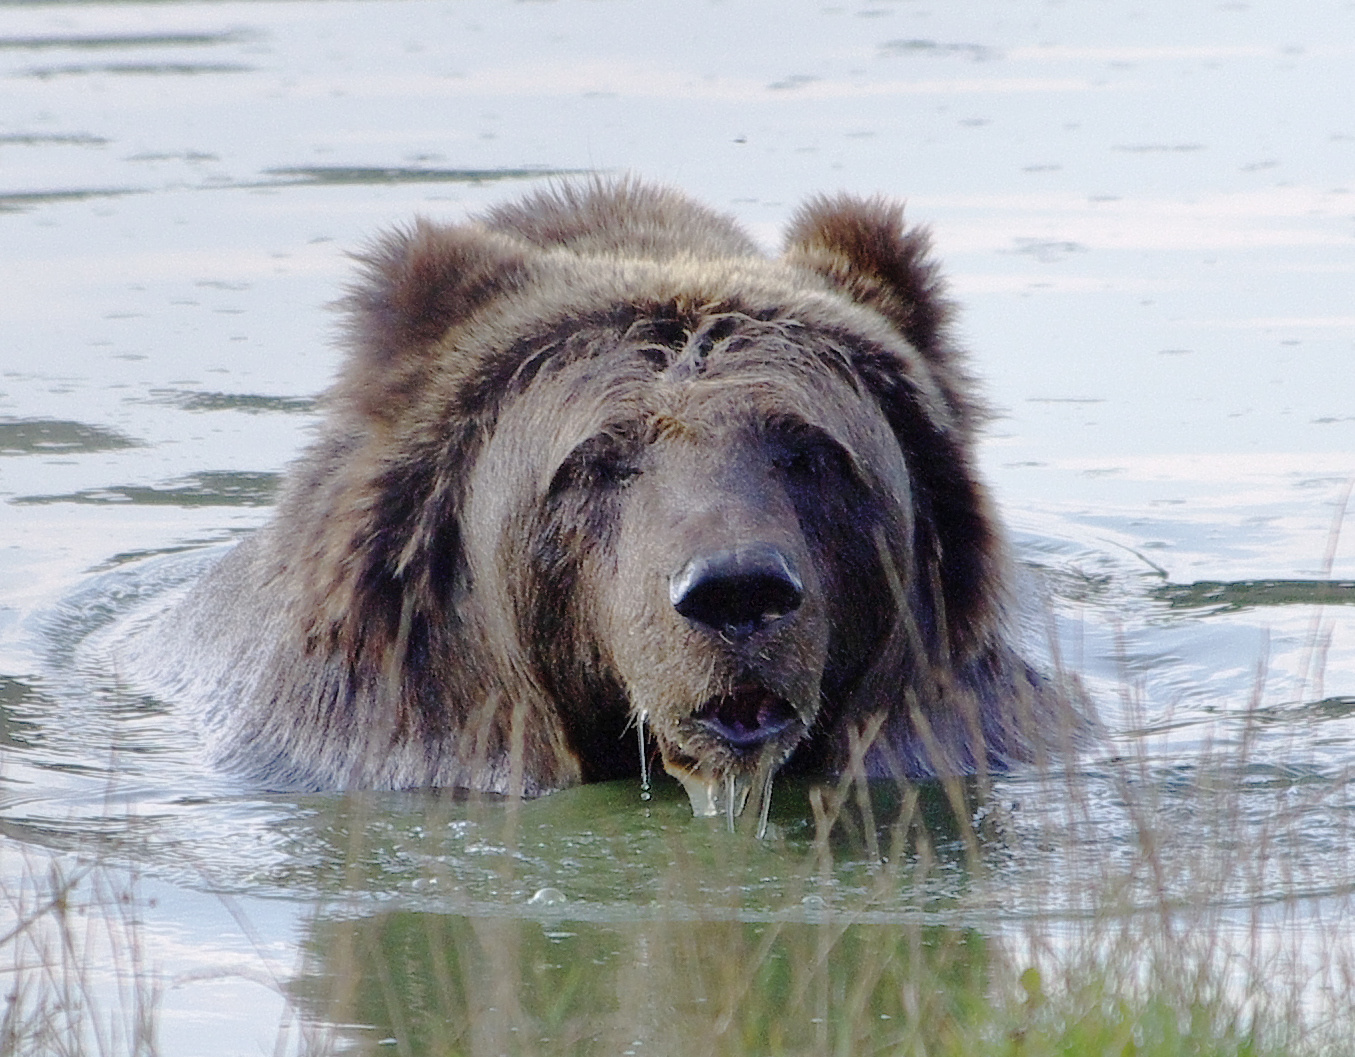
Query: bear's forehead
point(676, 311)
point(619, 353)
point(626, 327)
point(722, 368)
point(676, 342)
point(627, 388)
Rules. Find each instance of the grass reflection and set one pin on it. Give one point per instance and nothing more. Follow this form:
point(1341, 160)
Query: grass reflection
point(341, 175)
point(1230, 596)
point(208, 488)
point(103, 42)
point(847, 953)
point(461, 984)
point(48, 436)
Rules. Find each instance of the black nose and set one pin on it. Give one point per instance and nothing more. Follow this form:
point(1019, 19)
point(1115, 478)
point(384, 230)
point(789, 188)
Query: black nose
point(737, 591)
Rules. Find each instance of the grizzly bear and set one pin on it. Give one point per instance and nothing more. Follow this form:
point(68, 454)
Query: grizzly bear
point(597, 467)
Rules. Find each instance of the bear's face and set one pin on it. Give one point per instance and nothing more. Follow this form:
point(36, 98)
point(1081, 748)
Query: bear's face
point(697, 544)
point(597, 462)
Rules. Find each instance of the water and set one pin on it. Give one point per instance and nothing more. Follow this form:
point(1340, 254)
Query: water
point(1146, 212)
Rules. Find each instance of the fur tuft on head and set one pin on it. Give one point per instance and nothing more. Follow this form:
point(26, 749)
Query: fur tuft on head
point(600, 216)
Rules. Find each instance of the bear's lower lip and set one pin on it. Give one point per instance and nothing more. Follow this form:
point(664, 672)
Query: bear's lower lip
point(747, 717)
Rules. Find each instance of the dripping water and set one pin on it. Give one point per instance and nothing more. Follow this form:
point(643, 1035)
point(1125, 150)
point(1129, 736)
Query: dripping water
point(765, 804)
point(644, 756)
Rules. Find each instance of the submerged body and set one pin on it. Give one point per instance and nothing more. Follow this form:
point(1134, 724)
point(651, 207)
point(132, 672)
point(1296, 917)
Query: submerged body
point(595, 462)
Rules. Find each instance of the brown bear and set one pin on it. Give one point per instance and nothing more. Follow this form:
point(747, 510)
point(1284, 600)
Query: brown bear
point(597, 465)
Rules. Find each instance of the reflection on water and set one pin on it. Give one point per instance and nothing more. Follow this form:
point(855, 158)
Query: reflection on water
point(1244, 594)
point(35, 139)
point(49, 436)
point(17, 700)
point(154, 69)
point(250, 403)
point(917, 46)
point(22, 200)
point(444, 984)
point(209, 488)
point(339, 174)
point(128, 40)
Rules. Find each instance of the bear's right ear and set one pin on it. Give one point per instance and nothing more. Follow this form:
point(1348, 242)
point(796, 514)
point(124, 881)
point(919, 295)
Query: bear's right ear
point(416, 284)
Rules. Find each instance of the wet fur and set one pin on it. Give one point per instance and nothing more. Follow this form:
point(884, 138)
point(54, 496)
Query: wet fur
point(443, 596)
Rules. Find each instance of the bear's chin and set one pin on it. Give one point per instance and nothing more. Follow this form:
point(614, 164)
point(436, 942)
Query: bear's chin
point(732, 747)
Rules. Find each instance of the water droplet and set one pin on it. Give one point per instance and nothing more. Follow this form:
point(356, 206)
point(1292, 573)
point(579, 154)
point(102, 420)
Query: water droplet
point(766, 805)
point(644, 755)
point(547, 897)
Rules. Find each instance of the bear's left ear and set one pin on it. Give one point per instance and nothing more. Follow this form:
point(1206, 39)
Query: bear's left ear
point(416, 284)
point(862, 247)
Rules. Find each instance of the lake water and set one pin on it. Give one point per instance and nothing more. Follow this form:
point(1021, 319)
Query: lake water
point(1147, 211)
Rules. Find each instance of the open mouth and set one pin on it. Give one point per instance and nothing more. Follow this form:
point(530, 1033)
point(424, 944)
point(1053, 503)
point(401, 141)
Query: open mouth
point(746, 722)
point(747, 717)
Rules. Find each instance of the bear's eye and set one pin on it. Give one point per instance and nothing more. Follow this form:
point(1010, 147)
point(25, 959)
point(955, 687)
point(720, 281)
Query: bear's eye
point(601, 463)
point(810, 455)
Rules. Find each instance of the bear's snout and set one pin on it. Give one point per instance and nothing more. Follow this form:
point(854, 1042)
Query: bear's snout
point(739, 591)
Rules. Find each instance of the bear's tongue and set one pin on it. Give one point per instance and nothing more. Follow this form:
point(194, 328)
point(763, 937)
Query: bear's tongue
point(746, 718)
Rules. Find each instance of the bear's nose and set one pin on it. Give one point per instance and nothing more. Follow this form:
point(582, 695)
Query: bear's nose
point(737, 591)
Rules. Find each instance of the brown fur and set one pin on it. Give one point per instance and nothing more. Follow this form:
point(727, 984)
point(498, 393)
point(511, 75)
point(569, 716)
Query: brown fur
point(549, 418)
